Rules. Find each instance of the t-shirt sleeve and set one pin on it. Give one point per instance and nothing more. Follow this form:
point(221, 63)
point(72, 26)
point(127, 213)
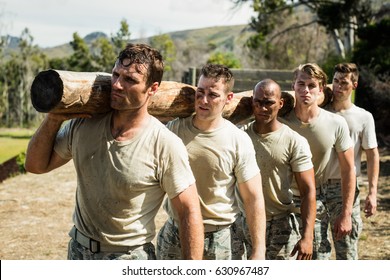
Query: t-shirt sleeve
point(343, 140)
point(301, 155)
point(63, 142)
point(246, 167)
point(175, 173)
point(369, 136)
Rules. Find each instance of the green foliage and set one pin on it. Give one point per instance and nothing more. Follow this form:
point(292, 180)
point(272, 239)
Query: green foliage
point(18, 70)
point(81, 59)
point(373, 48)
point(167, 48)
point(122, 37)
point(20, 160)
point(104, 55)
point(225, 58)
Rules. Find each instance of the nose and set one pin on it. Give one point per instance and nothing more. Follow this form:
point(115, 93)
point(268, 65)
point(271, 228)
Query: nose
point(116, 83)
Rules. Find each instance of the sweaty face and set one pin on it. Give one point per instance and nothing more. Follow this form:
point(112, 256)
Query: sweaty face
point(266, 105)
point(128, 87)
point(307, 89)
point(210, 98)
point(342, 86)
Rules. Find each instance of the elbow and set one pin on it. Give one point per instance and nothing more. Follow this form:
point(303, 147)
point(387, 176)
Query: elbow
point(30, 167)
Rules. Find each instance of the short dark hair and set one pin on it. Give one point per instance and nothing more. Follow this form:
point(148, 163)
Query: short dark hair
point(217, 72)
point(347, 68)
point(143, 54)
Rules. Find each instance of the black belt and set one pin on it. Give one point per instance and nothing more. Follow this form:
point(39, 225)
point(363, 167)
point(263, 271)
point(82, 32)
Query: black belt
point(95, 246)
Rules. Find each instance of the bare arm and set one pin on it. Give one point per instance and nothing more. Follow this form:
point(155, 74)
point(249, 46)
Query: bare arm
point(372, 174)
point(343, 224)
point(252, 195)
point(191, 228)
point(40, 156)
point(307, 190)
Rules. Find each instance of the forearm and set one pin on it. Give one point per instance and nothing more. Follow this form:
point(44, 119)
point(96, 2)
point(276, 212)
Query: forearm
point(255, 217)
point(191, 236)
point(40, 147)
point(348, 180)
point(308, 216)
point(348, 187)
point(372, 170)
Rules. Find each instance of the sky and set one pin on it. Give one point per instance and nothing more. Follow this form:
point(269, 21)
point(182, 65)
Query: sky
point(53, 22)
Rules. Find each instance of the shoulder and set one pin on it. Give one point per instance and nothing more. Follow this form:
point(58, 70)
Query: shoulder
point(329, 116)
point(179, 123)
point(361, 111)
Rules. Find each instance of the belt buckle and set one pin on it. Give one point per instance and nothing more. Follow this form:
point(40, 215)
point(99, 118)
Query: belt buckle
point(94, 246)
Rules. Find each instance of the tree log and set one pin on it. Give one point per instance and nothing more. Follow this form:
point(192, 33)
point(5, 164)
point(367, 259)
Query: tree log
point(58, 91)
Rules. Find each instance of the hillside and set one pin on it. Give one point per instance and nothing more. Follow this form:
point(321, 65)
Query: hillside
point(219, 37)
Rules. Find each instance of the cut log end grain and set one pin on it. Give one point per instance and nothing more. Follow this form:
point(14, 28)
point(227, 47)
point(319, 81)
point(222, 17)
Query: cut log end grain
point(46, 91)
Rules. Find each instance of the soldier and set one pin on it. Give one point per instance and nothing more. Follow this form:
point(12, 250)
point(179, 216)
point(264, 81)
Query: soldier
point(124, 167)
point(362, 131)
point(331, 147)
point(282, 155)
point(221, 156)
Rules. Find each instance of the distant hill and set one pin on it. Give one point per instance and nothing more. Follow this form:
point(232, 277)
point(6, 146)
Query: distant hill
point(211, 38)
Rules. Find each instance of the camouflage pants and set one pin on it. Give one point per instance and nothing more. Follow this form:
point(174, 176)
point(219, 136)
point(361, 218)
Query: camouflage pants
point(329, 207)
point(223, 244)
point(78, 252)
point(281, 237)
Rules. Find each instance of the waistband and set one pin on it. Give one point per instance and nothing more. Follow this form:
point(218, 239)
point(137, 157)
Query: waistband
point(207, 227)
point(95, 246)
point(333, 181)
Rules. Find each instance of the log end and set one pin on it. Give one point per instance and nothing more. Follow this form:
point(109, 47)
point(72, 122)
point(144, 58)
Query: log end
point(46, 91)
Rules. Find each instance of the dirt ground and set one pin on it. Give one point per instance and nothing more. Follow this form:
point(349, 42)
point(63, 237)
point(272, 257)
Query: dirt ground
point(36, 215)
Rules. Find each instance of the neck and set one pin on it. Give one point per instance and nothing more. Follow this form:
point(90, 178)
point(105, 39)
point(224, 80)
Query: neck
point(341, 105)
point(126, 124)
point(207, 125)
point(264, 128)
point(305, 113)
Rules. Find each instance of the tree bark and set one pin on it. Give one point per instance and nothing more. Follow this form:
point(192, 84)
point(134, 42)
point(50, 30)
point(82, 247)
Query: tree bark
point(59, 91)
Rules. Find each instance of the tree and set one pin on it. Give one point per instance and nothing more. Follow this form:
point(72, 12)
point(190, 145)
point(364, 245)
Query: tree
point(225, 58)
point(81, 59)
point(167, 48)
point(104, 54)
point(122, 37)
point(341, 19)
point(19, 69)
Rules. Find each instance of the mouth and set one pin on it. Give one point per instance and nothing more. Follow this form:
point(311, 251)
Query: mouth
point(203, 108)
point(116, 95)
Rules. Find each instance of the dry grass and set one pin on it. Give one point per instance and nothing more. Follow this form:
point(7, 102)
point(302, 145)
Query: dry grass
point(36, 215)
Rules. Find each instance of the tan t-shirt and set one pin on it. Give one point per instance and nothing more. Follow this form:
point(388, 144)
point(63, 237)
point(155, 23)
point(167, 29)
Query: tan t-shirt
point(121, 184)
point(327, 135)
point(279, 154)
point(219, 159)
point(362, 131)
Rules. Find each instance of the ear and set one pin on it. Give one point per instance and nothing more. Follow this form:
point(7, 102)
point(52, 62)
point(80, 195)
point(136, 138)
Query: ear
point(229, 97)
point(153, 89)
point(281, 103)
point(354, 85)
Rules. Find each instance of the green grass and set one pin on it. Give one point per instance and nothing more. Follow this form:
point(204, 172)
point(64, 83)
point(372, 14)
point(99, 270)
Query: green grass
point(13, 142)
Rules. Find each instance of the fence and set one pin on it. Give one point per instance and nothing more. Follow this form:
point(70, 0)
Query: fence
point(246, 79)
